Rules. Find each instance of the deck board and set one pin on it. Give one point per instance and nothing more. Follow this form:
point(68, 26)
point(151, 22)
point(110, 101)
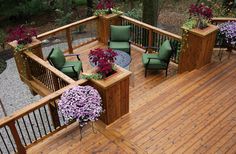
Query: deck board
point(190, 113)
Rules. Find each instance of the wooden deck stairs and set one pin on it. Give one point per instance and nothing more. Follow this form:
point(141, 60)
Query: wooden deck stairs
point(192, 112)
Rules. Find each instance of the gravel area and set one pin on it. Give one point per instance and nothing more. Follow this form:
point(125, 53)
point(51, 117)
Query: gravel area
point(13, 92)
point(16, 95)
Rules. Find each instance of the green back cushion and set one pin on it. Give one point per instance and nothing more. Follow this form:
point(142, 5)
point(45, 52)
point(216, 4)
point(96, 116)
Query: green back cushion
point(120, 33)
point(165, 50)
point(57, 58)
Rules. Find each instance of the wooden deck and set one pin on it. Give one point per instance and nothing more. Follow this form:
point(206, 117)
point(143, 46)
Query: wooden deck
point(193, 112)
point(138, 83)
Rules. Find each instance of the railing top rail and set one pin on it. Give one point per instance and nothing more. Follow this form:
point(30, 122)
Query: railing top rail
point(222, 19)
point(66, 26)
point(49, 67)
point(45, 100)
point(150, 27)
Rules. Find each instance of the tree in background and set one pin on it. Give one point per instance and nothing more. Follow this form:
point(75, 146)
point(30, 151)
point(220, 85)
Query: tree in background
point(90, 5)
point(151, 11)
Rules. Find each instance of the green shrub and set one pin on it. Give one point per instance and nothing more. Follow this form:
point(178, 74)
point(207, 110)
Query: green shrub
point(135, 13)
point(63, 18)
point(2, 38)
point(80, 2)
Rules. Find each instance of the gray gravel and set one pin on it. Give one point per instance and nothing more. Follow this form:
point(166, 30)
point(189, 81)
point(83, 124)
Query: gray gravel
point(16, 95)
point(13, 92)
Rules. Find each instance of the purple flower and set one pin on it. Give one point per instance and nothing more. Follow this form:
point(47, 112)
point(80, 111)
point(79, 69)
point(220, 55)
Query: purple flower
point(82, 103)
point(228, 32)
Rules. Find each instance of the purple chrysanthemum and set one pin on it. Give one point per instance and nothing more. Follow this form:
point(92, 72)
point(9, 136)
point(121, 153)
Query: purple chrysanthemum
point(228, 32)
point(82, 103)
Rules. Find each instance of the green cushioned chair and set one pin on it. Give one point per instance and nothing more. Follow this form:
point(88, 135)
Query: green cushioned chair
point(159, 60)
point(71, 68)
point(120, 38)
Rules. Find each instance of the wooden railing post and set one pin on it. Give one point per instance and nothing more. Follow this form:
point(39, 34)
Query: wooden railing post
point(150, 38)
point(19, 145)
point(69, 40)
point(104, 26)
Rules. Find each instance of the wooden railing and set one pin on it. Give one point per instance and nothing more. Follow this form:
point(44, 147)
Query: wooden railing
point(144, 35)
point(42, 77)
point(217, 21)
point(72, 35)
point(33, 123)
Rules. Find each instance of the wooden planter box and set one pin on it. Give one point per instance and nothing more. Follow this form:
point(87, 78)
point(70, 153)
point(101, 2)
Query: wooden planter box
point(114, 91)
point(34, 47)
point(198, 48)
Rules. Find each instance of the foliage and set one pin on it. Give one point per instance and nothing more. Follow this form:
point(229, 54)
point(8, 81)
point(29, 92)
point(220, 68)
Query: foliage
point(199, 17)
point(22, 8)
point(228, 33)
point(103, 59)
point(135, 13)
point(95, 76)
point(105, 7)
point(105, 4)
point(2, 38)
point(222, 8)
point(80, 2)
point(22, 35)
point(63, 17)
point(82, 103)
point(200, 11)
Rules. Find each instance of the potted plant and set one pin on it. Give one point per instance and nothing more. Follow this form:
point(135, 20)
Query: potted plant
point(22, 35)
point(199, 16)
point(105, 7)
point(103, 60)
point(226, 37)
point(227, 34)
point(198, 38)
point(81, 103)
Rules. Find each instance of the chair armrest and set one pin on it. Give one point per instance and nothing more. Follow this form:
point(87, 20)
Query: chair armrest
point(150, 47)
point(75, 54)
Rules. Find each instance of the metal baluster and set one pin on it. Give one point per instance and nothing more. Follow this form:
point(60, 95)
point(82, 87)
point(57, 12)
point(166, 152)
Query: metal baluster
point(45, 132)
point(1, 151)
point(63, 118)
point(27, 131)
point(31, 124)
point(159, 40)
point(50, 129)
point(37, 124)
point(10, 139)
point(22, 136)
point(4, 143)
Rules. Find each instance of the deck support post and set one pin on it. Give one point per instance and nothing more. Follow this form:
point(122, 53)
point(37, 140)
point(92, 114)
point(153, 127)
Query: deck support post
point(104, 23)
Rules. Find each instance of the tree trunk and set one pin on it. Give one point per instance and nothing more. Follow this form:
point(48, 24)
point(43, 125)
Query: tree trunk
point(89, 8)
point(130, 4)
point(150, 12)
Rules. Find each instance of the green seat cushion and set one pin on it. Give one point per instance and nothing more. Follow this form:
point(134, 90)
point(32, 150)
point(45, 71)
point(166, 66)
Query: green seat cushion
point(154, 63)
point(120, 33)
point(123, 46)
point(57, 58)
point(69, 71)
point(165, 51)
